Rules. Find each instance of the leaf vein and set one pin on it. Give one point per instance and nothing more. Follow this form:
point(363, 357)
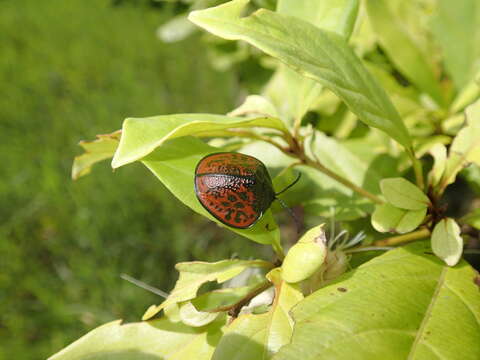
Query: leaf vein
point(428, 313)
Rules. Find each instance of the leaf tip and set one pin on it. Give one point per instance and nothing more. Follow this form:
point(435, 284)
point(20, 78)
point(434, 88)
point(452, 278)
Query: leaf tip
point(151, 312)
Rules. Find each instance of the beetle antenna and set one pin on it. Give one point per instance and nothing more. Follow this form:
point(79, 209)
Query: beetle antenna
point(292, 214)
point(289, 186)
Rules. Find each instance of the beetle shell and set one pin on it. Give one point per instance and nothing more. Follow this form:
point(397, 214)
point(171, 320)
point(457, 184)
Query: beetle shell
point(235, 188)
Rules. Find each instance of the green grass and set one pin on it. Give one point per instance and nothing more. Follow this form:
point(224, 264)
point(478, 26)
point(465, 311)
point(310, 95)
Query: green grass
point(70, 70)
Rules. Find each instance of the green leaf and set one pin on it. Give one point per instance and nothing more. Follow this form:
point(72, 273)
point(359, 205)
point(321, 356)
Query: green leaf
point(439, 153)
point(334, 15)
point(306, 256)
point(402, 49)
point(338, 158)
point(403, 194)
point(465, 147)
point(190, 316)
point(141, 136)
point(219, 300)
point(468, 95)
point(174, 165)
point(176, 29)
point(472, 175)
point(149, 340)
point(260, 336)
point(453, 20)
point(447, 243)
point(315, 53)
point(344, 207)
point(405, 98)
point(255, 105)
point(195, 274)
point(473, 219)
point(404, 304)
point(318, 192)
point(388, 218)
point(97, 150)
point(292, 92)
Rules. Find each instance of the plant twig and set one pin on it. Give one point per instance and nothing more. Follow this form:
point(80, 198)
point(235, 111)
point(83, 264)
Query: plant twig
point(252, 135)
point(472, 251)
point(296, 127)
point(343, 181)
point(417, 168)
point(296, 150)
point(368, 248)
point(277, 247)
point(400, 239)
point(234, 310)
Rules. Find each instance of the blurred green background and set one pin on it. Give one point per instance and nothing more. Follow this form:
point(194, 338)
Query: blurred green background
point(70, 70)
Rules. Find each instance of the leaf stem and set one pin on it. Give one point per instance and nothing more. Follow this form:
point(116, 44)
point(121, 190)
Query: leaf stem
point(277, 247)
point(400, 239)
point(234, 310)
point(368, 248)
point(296, 150)
point(317, 165)
point(252, 135)
point(417, 168)
point(296, 127)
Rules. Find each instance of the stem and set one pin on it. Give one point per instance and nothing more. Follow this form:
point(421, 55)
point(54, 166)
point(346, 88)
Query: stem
point(296, 127)
point(252, 135)
point(369, 248)
point(277, 247)
point(472, 251)
point(296, 150)
point(417, 168)
point(234, 310)
point(395, 240)
point(344, 181)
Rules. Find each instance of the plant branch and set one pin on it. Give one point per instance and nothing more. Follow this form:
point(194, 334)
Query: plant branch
point(296, 127)
point(277, 247)
point(252, 135)
point(368, 248)
point(296, 150)
point(400, 239)
point(343, 181)
point(417, 168)
point(234, 310)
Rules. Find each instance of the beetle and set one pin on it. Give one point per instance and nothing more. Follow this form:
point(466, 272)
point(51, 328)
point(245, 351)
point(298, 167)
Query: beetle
point(235, 188)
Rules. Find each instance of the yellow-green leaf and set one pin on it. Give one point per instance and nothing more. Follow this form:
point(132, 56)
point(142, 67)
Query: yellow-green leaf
point(465, 147)
point(174, 164)
point(141, 136)
point(447, 243)
point(306, 256)
point(315, 53)
point(403, 194)
point(154, 340)
point(260, 336)
point(388, 218)
point(400, 45)
point(195, 274)
point(404, 304)
point(97, 150)
point(439, 153)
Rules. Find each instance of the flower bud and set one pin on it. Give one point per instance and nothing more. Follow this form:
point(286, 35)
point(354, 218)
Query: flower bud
point(306, 256)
